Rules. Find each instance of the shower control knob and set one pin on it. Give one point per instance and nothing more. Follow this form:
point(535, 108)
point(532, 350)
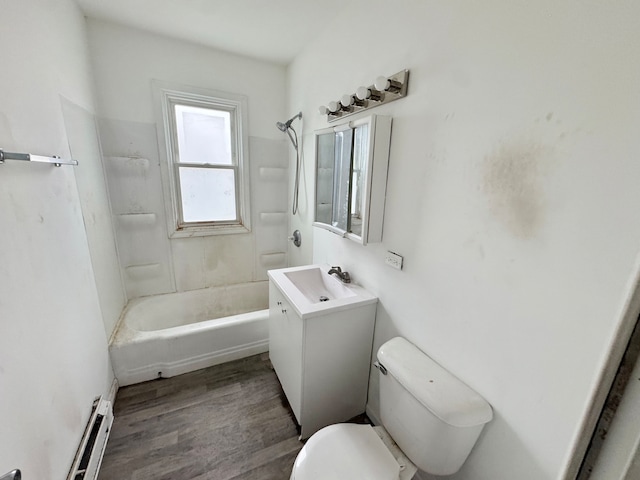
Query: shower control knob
point(296, 238)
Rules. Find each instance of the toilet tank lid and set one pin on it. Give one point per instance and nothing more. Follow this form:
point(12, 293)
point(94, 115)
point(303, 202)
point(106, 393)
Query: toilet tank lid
point(435, 388)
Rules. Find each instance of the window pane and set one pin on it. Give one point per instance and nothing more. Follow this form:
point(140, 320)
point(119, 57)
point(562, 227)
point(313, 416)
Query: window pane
point(204, 135)
point(208, 194)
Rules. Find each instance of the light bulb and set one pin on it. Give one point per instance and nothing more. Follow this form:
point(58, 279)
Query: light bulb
point(333, 107)
point(385, 84)
point(382, 83)
point(323, 110)
point(347, 100)
point(363, 93)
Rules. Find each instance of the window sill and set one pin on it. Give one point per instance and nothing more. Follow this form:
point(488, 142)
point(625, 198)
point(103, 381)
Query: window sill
point(187, 232)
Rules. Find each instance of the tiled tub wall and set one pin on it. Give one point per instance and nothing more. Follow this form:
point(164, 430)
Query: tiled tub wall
point(151, 262)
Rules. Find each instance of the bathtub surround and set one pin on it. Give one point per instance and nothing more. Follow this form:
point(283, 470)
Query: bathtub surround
point(512, 195)
point(154, 264)
point(53, 347)
point(131, 162)
point(151, 262)
point(84, 144)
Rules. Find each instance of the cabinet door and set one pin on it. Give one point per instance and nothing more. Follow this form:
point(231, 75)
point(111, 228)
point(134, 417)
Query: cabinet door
point(285, 347)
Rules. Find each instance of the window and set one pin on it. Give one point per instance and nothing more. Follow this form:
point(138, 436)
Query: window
point(206, 173)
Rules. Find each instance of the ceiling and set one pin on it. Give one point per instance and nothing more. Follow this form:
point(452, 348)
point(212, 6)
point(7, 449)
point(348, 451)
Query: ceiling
point(271, 30)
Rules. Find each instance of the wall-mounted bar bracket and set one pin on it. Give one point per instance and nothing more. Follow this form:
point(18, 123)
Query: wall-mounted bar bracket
point(27, 157)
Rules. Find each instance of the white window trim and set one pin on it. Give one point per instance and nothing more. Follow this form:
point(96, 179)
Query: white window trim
point(164, 93)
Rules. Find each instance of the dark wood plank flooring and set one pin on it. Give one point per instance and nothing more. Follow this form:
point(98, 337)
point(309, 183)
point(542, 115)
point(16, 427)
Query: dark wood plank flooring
point(228, 422)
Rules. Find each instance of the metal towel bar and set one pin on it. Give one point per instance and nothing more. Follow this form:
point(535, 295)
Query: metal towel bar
point(27, 157)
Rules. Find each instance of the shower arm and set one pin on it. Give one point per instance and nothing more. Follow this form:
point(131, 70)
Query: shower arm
point(286, 125)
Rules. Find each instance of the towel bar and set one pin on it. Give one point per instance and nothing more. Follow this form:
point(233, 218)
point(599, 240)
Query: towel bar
point(27, 157)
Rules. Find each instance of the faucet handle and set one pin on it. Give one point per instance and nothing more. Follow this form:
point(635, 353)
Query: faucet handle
point(336, 268)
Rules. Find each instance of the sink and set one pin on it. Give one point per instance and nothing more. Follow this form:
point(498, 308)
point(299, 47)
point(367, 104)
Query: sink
point(318, 286)
point(313, 292)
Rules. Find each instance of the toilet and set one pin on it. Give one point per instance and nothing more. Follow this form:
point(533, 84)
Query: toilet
point(430, 421)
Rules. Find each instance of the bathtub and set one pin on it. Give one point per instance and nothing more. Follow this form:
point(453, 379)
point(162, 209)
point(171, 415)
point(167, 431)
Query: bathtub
point(175, 333)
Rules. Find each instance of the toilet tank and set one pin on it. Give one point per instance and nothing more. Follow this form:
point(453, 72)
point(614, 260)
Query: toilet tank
point(433, 417)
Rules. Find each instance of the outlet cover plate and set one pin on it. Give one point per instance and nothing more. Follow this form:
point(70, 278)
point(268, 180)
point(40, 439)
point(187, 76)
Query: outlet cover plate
point(394, 260)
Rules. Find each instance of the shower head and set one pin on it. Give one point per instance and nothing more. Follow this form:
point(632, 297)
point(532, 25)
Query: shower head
point(286, 125)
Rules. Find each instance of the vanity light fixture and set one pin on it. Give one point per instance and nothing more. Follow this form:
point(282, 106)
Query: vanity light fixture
point(383, 90)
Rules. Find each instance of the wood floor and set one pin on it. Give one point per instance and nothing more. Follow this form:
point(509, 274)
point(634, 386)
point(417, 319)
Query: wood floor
point(228, 422)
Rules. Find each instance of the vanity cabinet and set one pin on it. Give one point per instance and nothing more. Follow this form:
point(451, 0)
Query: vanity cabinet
point(322, 361)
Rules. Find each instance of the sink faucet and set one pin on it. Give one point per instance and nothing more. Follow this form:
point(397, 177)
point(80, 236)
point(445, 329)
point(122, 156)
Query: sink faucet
point(344, 276)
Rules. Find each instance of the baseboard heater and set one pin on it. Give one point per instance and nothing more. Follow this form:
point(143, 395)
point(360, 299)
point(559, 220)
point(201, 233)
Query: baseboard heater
point(89, 456)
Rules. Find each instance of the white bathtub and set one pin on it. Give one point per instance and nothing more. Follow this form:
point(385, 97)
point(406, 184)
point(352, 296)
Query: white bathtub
point(167, 335)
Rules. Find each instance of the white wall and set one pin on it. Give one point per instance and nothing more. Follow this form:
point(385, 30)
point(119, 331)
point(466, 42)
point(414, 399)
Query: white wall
point(53, 347)
point(512, 194)
point(125, 62)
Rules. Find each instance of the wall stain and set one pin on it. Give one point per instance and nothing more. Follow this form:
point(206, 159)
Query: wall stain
point(513, 179)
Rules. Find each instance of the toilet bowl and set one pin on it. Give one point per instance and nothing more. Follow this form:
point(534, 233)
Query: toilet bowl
point(348, 451)
point(430, 421)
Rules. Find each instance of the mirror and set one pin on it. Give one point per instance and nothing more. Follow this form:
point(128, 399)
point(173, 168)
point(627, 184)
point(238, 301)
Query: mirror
point(358, 176)
point(325, 147)
point(351, 175)
point(342, 168)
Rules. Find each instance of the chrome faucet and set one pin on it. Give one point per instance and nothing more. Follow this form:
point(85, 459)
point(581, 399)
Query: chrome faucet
point(344, 276)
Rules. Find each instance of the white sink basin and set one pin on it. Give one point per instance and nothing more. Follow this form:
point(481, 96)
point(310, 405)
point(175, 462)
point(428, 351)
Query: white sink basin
point(317, 286)
point(312, 291)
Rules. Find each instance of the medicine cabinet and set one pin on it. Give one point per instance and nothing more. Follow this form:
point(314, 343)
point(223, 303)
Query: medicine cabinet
point(351, 178)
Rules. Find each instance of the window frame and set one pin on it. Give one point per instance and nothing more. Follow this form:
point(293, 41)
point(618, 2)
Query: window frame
point(166, 96)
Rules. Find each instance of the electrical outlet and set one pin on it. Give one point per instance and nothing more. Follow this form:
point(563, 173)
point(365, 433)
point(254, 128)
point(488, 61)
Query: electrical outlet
point(393, 260)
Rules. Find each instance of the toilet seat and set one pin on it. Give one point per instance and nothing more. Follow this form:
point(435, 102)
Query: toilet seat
point(345, 451)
